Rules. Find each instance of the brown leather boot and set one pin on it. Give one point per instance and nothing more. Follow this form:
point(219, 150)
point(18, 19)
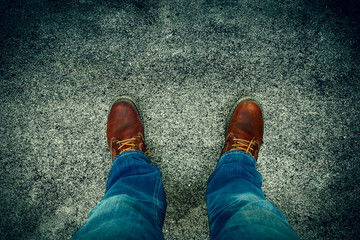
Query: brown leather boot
point(124, 128)
point(245, 126)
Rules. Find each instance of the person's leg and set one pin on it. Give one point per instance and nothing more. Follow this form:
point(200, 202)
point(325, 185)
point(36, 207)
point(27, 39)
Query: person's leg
point(134, 203)
point(237, 207)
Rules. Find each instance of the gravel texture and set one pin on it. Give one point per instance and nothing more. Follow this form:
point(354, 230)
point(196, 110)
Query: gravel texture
point(186, 63)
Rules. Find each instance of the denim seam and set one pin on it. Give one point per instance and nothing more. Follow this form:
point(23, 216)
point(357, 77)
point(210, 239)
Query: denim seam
point(157, 193)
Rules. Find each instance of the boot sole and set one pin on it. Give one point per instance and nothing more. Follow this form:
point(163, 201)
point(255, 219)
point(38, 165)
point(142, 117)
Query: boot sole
point(235, 106)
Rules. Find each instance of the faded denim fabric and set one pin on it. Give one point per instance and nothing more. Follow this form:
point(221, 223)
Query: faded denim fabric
point(134, 203)
point(237, 208)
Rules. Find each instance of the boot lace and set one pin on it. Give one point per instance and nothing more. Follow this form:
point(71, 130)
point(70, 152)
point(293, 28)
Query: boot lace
point(243, 145)
point(127, 145)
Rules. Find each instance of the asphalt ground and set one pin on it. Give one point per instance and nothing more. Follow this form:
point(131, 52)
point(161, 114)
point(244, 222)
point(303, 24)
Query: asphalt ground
point(185, 63)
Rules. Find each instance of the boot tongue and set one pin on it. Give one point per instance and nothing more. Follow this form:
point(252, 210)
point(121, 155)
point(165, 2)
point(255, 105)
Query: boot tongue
point(251, 146)
point(119, 146)
point(134, 143)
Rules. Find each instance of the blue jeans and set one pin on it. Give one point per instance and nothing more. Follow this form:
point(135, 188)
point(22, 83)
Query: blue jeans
point(134, 203)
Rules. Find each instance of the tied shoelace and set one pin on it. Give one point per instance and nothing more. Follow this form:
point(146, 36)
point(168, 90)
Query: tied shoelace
point(243, 145)
point(128, 143)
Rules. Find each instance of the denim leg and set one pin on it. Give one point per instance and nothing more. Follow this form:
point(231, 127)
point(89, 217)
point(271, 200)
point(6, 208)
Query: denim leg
point(237, 207)
point(134, 203)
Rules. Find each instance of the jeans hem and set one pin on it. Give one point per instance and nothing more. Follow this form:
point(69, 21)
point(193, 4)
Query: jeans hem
point(126, 154)
point(237, 152)
point(230, 157)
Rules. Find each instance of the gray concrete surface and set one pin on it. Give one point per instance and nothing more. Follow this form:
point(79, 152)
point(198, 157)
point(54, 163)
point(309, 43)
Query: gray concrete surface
point(186, 63)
